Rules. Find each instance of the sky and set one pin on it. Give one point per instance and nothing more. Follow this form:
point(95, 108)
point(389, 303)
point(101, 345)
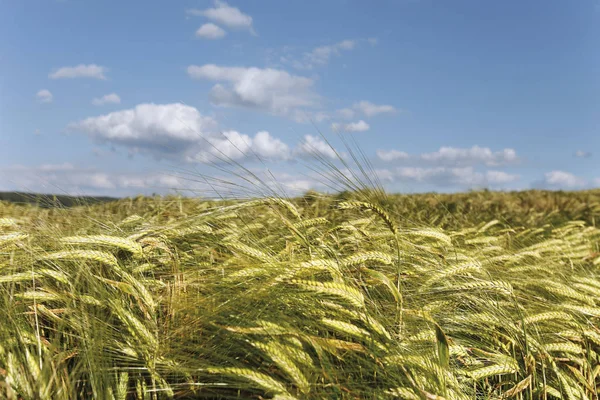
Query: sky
point(106, 97)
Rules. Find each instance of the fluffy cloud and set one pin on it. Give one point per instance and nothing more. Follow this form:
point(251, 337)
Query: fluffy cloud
point(161, 129)
point(179, 132)
point(314, 146)
point(454, 156)
point(232, 145)
point(269, 147)
point(272, 90)
point(226, 15)
point(112, 98)
point(562, 179)
point(44, 96)
point(210, 31)
point(360, 126)
point(80, 71)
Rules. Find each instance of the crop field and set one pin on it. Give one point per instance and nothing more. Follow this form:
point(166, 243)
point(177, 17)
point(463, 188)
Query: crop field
point(360, 295)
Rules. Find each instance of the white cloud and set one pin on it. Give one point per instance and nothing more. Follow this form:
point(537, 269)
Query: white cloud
point(224, 14)
point(164, 130)
point(112, 98)
point(267, 146)
point(283, 183)
point(454, 156)
point(71, 179)
point(44, 96)
point(78, 180)
point(155, 181)
point(80, 71)
point(562, 179)
point(346, 45)
point(232, 145)
point(470, 156)
point(271, 90)
point(419, 174)
point(370, 110)
point(444, 176)
point(359, 126)
point(365, 108)
point(179, 132)
point(582, 154)
point(500, 177)
point(319, 56)
point(314, 145)
point(210, 31)
point(392, 155)
point(385, 175)
point(94, 180)
point(299, 185)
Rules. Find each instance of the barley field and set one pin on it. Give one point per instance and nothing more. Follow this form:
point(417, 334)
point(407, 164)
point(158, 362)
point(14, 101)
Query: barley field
point(358, 295)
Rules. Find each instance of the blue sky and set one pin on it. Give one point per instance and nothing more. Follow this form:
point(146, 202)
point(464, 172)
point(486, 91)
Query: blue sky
point(115, 97)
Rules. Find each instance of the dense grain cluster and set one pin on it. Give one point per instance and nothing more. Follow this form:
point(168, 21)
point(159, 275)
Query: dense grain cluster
point(467, 296)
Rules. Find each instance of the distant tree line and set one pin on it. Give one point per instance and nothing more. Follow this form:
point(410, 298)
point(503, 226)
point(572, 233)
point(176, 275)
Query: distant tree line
point(51, 200)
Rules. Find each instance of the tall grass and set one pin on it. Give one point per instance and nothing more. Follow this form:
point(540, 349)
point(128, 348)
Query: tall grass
point(468, 296)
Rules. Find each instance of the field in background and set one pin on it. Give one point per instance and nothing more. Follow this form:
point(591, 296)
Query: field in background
point(480, 295)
